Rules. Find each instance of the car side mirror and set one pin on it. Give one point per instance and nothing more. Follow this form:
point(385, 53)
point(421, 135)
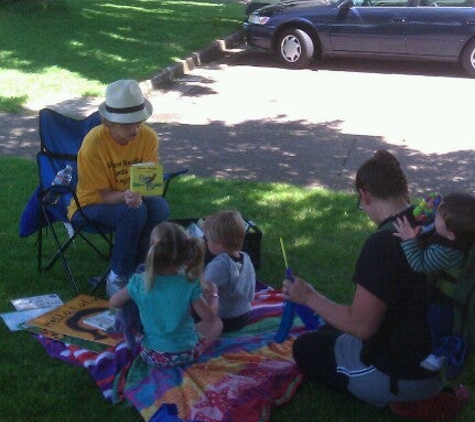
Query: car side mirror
point(347, 4)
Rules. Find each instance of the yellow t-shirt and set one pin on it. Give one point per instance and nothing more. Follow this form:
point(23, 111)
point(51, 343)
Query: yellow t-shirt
point(104, 164)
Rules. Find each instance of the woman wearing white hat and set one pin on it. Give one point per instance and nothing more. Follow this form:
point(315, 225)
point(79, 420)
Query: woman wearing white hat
point(104, 161)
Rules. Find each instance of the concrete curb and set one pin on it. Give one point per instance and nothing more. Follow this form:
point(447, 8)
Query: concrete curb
point(209, 54)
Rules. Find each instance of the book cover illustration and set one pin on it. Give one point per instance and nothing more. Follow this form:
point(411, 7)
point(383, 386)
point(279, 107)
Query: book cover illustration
point(68, 320)
point(146, 178)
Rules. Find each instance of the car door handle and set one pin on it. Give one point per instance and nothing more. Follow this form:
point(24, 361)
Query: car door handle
point(398, 20)
point(470, 21)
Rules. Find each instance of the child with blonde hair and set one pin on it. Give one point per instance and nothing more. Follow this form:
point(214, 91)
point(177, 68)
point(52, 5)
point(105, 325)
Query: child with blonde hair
point(231, 269)
point(165, 294)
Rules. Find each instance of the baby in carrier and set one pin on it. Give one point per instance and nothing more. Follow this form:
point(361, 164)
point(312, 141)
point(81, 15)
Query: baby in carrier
point(440, 250)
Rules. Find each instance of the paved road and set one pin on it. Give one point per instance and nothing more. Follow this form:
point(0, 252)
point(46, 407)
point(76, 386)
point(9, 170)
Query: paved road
point(244, 117)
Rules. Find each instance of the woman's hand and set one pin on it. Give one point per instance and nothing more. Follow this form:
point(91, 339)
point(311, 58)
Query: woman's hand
point(361, 319)
point(132, 199)
point(298, 291)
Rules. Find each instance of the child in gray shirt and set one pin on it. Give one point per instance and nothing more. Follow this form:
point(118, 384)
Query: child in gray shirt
point(231, 269)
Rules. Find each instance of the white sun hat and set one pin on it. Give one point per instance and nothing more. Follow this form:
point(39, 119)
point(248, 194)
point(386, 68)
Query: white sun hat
point(125, 103)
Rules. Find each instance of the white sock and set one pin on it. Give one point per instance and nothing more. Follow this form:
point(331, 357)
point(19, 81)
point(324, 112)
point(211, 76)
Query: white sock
point(112, 276)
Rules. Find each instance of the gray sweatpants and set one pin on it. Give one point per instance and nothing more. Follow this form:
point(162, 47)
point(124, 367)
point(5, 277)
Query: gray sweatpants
point(371, 385)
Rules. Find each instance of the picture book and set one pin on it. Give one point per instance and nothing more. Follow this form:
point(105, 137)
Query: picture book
point(79, 342)
point(68, 320)
point(146, 178)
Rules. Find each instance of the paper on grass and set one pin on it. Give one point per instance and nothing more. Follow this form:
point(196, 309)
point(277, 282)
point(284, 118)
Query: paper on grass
point(15, 320)
point(35, 302)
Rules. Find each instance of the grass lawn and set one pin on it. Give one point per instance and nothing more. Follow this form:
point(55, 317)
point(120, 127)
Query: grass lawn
point(51, 50)
point(58, 49)
point(322, 230)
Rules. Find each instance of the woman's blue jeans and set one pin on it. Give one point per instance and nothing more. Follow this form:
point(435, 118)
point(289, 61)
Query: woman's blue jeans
point(131, 228)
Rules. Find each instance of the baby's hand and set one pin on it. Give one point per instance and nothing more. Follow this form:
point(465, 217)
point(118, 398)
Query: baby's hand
point(404, 230)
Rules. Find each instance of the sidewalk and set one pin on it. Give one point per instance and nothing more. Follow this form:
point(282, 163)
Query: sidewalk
point(235, 113)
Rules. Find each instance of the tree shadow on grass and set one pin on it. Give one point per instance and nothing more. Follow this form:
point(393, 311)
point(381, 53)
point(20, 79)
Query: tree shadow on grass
point(103, 41)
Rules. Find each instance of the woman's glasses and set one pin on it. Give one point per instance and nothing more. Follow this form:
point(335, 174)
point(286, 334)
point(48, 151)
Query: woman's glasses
point(358, 204)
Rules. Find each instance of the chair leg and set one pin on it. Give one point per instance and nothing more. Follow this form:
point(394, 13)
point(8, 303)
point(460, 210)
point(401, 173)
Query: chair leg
point(65, 263)
point(60, 254)
point(61, 249)
point(95, 248)
point(39, 252)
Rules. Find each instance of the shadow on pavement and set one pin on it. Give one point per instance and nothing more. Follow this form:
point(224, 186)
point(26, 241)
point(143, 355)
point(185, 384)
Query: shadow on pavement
point(302, 154)
point(278, 149)
point(291, 152)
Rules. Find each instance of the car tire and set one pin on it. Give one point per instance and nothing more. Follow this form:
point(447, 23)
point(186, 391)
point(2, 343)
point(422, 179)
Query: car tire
point(295, 48)
point(468, 58)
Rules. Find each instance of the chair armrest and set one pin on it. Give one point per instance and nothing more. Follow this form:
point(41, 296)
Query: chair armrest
point(169, 176)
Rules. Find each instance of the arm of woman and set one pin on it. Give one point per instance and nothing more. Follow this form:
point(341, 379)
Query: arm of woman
point(131, 199)
point(361, 319)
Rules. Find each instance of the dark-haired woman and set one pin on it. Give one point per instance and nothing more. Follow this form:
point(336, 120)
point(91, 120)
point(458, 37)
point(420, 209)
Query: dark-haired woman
point(373, 347)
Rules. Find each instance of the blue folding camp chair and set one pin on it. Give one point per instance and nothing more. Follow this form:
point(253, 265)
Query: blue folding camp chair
point(61, 137)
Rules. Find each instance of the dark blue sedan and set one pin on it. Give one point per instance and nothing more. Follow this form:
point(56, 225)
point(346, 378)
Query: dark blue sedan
point(299, 31)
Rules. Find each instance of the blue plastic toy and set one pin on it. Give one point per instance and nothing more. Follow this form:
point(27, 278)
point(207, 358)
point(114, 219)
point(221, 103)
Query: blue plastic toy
point(310, 319)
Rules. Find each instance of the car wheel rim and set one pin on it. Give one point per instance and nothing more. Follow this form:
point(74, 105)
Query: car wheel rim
point(291, 49)
point(472, 59)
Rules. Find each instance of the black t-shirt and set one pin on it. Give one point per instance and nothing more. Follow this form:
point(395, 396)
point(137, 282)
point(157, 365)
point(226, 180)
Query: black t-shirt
point(403, 339)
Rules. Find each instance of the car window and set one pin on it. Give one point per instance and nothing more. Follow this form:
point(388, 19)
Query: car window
point(446, 3)
point(383, 3)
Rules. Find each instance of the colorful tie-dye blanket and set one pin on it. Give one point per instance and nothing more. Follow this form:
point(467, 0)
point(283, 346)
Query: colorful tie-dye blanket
point(240, 379)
